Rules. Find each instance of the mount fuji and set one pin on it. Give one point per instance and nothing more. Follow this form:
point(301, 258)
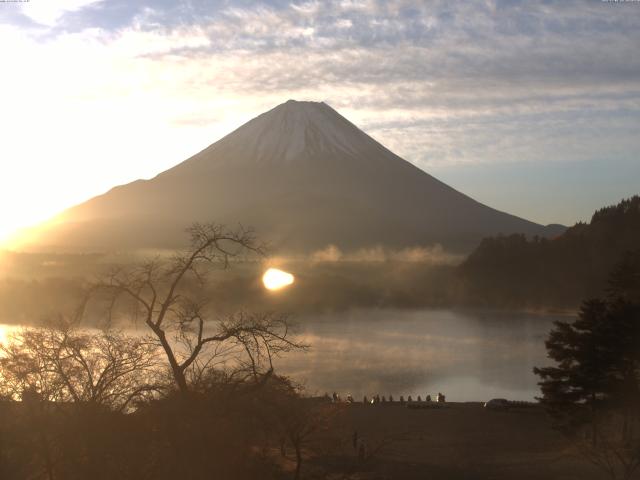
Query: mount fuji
point(304, 177)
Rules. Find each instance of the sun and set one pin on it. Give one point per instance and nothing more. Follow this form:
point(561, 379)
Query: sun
point(20, 222)
point(275, 279)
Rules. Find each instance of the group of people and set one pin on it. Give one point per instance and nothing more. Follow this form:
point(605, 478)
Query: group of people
point(440, 398)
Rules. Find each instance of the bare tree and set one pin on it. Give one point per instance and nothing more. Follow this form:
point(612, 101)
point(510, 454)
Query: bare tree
point(614, 446)
point(71, 383)
point(62, 363)
point(299, 421)
point(169, 295)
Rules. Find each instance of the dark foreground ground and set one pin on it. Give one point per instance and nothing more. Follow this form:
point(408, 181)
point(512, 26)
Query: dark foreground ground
point(456, 441)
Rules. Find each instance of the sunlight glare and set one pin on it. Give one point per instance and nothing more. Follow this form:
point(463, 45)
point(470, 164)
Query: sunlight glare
point(275, 279)
point(4, 333)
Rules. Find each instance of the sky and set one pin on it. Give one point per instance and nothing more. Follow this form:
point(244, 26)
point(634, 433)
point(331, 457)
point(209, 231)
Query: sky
point(530, 107)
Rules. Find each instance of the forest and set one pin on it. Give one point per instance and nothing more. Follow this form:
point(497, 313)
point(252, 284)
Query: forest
point(516, 271)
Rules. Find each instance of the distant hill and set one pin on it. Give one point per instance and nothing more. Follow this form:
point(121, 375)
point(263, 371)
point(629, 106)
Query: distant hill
point(304, 177)
point(514, 270)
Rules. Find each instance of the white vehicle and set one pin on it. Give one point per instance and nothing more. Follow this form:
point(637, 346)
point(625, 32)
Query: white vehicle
point(498, 404)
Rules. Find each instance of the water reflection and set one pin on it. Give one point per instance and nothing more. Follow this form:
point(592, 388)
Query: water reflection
point(5, 333)
point(466, 355)
point(469, 356)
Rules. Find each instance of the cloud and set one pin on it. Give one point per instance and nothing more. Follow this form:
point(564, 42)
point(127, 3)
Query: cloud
point(476, 65)
point(440, 83)
point(48, 13)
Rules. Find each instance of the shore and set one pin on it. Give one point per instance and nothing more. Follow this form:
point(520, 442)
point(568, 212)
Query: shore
point(450, 441)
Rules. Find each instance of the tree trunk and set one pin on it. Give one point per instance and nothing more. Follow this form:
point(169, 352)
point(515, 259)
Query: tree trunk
point(180, 379)
point(283, 448)
point(298, 458)
point(594, 427)
point(178, 373)
point(46, 453)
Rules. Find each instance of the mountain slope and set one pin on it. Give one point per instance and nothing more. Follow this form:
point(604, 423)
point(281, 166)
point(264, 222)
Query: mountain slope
point(304, 177)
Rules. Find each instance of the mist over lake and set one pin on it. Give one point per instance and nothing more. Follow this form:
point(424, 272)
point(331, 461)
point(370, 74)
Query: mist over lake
point(469, 355)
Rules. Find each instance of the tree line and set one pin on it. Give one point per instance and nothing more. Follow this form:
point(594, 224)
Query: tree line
point(516, 271)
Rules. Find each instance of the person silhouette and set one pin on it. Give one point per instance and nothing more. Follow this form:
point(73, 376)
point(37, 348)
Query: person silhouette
point(362, 451)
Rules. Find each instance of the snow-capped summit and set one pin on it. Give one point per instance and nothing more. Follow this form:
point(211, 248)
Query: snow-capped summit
point(292, 131)
point(295, 129)
point(304, 177)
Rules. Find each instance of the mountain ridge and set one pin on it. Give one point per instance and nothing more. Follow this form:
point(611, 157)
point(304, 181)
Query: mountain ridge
point(305, 177)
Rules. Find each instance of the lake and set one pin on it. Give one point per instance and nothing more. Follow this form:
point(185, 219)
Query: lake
point(466, 355)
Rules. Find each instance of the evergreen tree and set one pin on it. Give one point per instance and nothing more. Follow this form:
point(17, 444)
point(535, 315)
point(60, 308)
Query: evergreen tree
point(593, 391)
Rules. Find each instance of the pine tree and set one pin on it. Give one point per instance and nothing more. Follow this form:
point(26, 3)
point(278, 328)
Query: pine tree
point(593, 391)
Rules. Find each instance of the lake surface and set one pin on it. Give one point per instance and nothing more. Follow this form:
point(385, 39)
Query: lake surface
point(468, 356)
